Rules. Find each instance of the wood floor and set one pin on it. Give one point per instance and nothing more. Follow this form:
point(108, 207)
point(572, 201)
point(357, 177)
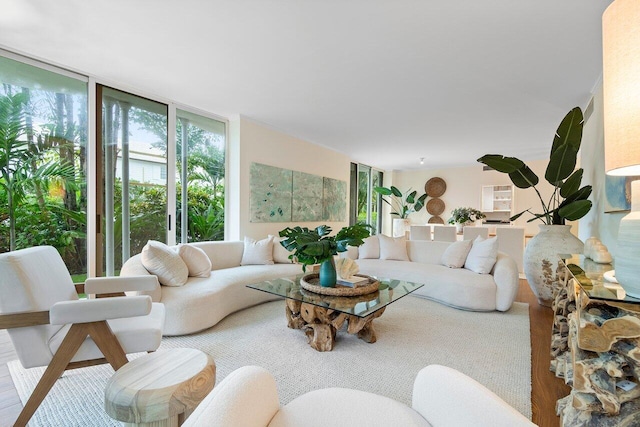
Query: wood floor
point(546, 388)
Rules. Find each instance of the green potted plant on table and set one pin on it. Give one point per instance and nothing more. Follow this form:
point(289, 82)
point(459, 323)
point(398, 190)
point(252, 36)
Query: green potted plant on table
point(465, 216)
point(568, 201)
point(317, 246)
point(402, 204)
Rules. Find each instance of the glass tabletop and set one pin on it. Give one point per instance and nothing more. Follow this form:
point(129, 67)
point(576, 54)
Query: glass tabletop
point(594, 279)
point(390, 290)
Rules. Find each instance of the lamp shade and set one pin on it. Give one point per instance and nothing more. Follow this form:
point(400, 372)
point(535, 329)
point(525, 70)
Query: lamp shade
point(621, 87)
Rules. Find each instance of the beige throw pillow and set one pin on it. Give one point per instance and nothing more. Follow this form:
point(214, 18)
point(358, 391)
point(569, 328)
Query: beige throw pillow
point(393, 248)
point(456, 254)
point(197, 261)
point(164, 262)
point(257, 252)
point(370, 249)
point(483, 255)
point(280, 254)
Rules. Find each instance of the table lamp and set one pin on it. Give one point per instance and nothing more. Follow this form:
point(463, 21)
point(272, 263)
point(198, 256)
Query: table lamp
point(621, 89)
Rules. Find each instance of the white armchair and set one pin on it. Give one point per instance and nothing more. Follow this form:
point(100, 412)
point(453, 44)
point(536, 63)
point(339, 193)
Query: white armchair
point(441, 397)
point(48, 324)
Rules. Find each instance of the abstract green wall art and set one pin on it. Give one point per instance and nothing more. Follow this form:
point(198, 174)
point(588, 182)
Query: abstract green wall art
point(270, 197)
point(335, 199)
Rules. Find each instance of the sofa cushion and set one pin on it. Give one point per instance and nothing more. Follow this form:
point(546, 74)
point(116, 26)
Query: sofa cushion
point(164, 262)
point(393, 248)
point(456, 254)
point(280, 253)
point(257, 252)
point(370, 249)
point(483, 255)
point(197, 261)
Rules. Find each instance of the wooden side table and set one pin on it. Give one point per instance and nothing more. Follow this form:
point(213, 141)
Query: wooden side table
point(160, 389)
point(596, 345)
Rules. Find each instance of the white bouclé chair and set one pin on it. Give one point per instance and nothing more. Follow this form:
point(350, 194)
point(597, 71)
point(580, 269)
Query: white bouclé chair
point(442, 397)
point(50, 326)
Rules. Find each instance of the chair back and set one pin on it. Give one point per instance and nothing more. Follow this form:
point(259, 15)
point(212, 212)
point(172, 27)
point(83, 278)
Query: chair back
point(511, 241)
point(33, 279)
point(420, 232)
point(444, 233)
point(470, 233)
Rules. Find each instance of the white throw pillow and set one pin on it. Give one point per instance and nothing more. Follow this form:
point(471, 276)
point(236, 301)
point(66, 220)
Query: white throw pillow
point(393, 248)
point(370, 249)
point(280, 254)
point(483, 255)
point(257, 252)
point(456, 254)
point(164, 262)
point(197, 261)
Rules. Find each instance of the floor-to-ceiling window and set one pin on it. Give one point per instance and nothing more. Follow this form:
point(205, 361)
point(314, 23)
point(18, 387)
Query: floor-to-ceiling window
point(43, 160)
point(366, 203)
point(200, 154)
point(132, 175)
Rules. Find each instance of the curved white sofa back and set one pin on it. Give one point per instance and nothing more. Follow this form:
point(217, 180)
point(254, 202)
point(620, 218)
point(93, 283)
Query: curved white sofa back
point(203, 302)
point(457, 287)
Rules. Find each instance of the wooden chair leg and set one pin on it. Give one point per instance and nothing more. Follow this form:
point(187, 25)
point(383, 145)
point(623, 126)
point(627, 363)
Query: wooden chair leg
point(108, 344)
point(68, 348)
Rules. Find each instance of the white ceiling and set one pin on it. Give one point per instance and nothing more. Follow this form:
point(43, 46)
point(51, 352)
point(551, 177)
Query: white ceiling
point(384, 81)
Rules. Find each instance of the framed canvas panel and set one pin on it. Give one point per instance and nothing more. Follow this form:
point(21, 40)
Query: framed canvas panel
point(271, 193)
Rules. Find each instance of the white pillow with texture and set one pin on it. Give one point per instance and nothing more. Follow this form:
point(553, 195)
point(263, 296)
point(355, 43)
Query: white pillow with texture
point(257, 252)
point(164, 262)
point(370, 249)
point(197, 261)
point(456, 254)
point(280, 254)
point(483, 255)
point(393, 248)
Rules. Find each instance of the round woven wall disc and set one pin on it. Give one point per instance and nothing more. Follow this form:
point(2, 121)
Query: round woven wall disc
point(435, 220)
point(435, 206)
point(435, 187)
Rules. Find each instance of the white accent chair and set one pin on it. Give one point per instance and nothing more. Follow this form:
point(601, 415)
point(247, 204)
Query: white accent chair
point(511, 241)
point(444, 233)
point(442, 396)
point(470, 233)
point(50, 326)
point(420, 232)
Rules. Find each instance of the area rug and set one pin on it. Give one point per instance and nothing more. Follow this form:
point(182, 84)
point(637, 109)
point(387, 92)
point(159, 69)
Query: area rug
point(493, 348)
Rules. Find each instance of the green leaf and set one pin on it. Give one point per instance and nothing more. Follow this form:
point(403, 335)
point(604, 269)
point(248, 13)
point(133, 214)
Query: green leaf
point(572, 184)
point(419, 205)
point(383, 191)
point(524, 177)
point(575, 210)
point(561, 164)
point(581, 194)
point(396, 192)
point(569, 131)
point(411, 197)
point(501, 163)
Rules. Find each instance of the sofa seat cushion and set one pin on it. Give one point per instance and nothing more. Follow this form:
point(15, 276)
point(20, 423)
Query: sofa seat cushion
point(458, 288)
point(346, 407)
point(204, 301)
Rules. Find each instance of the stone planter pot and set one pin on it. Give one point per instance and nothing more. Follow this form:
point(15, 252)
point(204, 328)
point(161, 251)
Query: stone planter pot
point(461, 225)
point(541, 259)
point(400, 226)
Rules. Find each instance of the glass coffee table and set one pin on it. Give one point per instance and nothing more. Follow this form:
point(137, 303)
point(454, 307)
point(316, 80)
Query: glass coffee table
point(321, 316)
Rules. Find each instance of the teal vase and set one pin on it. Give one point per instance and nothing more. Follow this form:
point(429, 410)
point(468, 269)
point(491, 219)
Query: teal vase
point(328, 273)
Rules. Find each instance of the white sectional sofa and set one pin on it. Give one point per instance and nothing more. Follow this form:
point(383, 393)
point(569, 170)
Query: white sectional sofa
point(204, 301)
point(456, 287)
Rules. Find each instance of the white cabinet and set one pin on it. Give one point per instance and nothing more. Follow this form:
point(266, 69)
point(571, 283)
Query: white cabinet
point(497, 198)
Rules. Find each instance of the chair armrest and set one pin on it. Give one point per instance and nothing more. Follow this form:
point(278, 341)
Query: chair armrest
point(95, 310)
point(505, 274)
point(446, 397)
point(107, 285)
point(246, 397)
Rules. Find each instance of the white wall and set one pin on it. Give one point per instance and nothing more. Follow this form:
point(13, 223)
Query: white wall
point(254, 142)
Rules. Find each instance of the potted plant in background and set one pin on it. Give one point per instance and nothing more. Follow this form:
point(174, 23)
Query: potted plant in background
point(465, 216)
point(568, 202)
point(317, 246)
point(402, 204)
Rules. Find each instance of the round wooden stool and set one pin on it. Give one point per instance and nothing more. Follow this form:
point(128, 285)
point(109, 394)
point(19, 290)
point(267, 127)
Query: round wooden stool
point(161, 388)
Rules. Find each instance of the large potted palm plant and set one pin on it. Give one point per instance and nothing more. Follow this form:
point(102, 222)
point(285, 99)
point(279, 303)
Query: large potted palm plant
point(402, 205)
point(318, 246)
point(568, 202)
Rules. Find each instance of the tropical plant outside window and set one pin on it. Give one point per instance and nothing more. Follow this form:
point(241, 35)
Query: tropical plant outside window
point(43, 168)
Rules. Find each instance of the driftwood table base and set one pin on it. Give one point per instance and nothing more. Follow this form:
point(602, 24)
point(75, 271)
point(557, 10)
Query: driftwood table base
point(321, 324)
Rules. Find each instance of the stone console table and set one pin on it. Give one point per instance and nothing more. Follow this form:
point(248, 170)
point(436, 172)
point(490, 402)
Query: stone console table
point(595, 347)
